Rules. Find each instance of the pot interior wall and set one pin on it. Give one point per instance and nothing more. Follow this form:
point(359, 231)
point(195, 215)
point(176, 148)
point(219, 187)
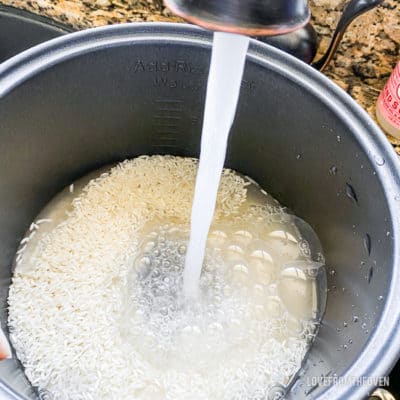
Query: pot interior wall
point(114, 104)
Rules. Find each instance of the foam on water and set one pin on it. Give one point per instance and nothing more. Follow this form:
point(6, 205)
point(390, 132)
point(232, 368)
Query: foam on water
point(223, 88)
point(261, 286)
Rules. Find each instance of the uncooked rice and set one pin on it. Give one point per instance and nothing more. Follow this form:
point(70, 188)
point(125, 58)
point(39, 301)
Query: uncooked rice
point(64, 309)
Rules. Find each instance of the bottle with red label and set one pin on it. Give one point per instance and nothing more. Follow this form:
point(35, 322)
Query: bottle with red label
point(388, 106)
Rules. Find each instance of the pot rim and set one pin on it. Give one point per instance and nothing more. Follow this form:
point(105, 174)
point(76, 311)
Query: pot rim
point(383, 347)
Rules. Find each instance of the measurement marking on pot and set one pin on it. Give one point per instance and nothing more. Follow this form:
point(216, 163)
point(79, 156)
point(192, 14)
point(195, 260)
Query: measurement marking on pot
point(168, 105)
point(165, 128)
point(166, 136)
point(166, 133)
point(249, 85)
point(164, 124)
point(168, 109)
point(168, 101)
point(168, 117)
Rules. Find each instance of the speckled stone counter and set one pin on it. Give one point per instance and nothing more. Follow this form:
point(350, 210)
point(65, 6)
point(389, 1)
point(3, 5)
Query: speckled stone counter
point(364, 61)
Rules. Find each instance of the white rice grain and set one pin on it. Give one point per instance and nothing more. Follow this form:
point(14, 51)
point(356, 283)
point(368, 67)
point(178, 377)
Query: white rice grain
point(65, 309)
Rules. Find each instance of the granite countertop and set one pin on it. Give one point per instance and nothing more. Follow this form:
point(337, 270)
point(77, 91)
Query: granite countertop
point(364, 61)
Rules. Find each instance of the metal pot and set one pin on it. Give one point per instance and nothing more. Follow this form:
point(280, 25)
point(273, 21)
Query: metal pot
point(95, 97)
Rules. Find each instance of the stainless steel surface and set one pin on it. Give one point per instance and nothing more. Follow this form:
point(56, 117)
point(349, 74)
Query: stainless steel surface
point(282, 24)
point(303, 42)
point(248, 17)
point(89, 98)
